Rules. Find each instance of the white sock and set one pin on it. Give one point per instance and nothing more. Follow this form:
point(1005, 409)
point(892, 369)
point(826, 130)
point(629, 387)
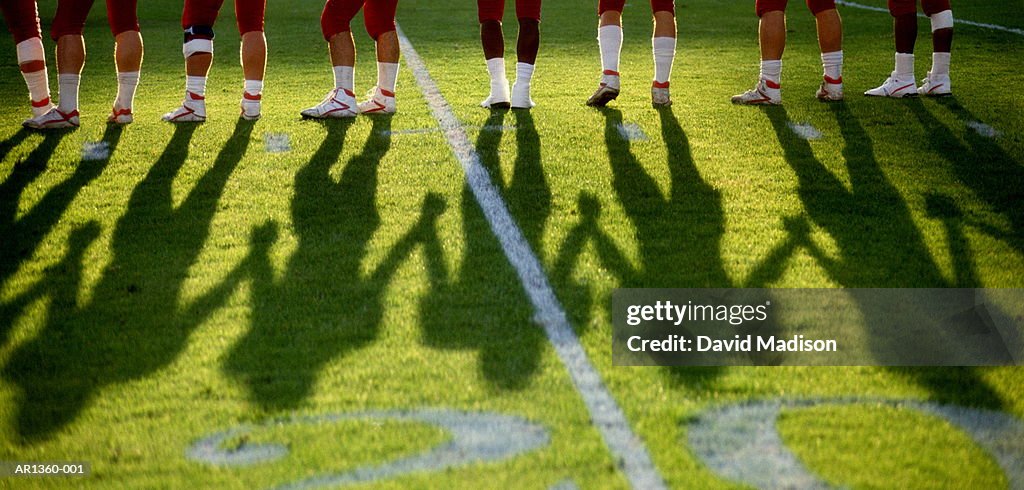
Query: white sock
point(940, 64)
point(904, 66)
point(609, 38)
point(664, 49)
point(344, 77)
point(387, 76)
point(771, 70)
point(833, 65)
point(253, 87)
point(196, 85)
point(68, 84)
point(127, 82)
point(496, 69)
point(38, 85)
point(524, 74)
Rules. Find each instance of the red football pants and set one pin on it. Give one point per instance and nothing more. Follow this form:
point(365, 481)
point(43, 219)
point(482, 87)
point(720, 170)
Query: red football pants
point(22, 18)
point(378, 15)
point(906, 7)
point(495, 10)
point(617, 5)
point(249, 14)
point(816, 6)
point(71, 15)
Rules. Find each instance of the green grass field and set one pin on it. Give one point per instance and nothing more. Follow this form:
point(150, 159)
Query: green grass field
point(195, 282)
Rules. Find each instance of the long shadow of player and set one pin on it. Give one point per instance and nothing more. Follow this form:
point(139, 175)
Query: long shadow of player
point(13, 141)
point(20, 238)
point(678, 234)
point(324, 305)
point(879, 246)
point(22, 175)
point(980, 164)
point(475, 309)
point(133, 324)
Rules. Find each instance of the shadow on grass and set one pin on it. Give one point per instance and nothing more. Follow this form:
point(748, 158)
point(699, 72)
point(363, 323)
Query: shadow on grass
point(20, 237)
point(475, 309)
point(323, 306)
point(678, 234)
point(879, 246)
point(132, 324)
point(981, 165)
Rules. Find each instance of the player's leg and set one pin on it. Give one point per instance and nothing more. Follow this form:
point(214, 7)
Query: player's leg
point(527, 47)
point(250, 15)
point(609, 38)
point(379, 17)
point(334, 23)
point(937, 83)
point(67, 28)
point(901, 82)
point(772, 39)
point(124, 25)
point(830, 40)
point(490, 14)
point(197, 20)
point(23, 22)
point(663, 46)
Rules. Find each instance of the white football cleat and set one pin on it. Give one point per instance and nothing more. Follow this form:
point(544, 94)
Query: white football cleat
point(660, 96)
point(338, 104)
point(54, 119)
point(831, 90)
point(193, 109)
point(521, 96)
point(120, 116)
point(894, 87)
point(762, 94)
point(251, 105)
point(379, 101)
point(498, 98)
point(935, 86)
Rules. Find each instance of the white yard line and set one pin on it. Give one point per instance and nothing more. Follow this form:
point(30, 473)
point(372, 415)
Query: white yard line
point(607, 416)
point(1019, 32)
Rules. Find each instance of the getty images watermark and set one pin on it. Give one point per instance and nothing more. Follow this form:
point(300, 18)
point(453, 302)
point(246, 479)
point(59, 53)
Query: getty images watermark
point(818, 327)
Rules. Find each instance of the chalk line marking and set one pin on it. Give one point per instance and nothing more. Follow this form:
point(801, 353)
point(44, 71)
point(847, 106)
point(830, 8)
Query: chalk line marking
point(566, 484)
point(93, 151)
point(627, 449)
point(805, 131)
point(994, 27)
point(489, 127)
point(741, 442)
point(277, 142)
point(631, 132)
point(475, 437)
point(984, 129)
